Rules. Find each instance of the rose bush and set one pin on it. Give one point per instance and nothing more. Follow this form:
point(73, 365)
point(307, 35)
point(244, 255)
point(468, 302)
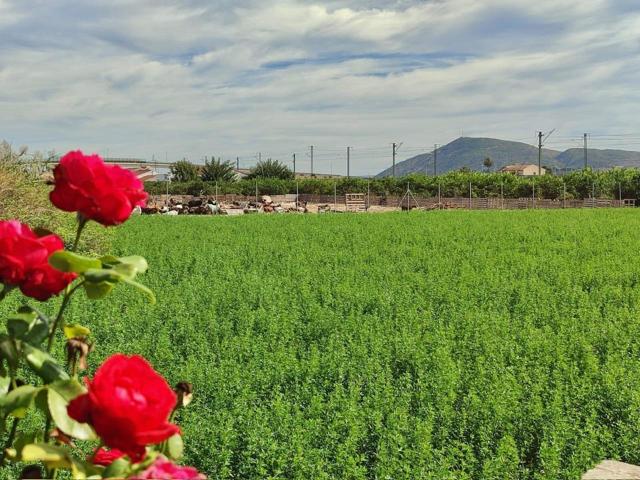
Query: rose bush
point(127, 405)
point(104, 193)
point(127, 384)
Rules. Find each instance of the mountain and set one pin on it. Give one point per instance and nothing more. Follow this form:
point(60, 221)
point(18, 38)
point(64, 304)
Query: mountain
point(467, 152)
point(574, 158)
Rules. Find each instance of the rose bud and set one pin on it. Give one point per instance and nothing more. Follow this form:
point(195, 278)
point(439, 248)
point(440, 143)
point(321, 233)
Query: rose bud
point(78, 350)
point(184, 390)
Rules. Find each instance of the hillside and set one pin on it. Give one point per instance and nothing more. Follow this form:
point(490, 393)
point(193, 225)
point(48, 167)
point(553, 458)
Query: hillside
point(467, 152)
point(574, 158)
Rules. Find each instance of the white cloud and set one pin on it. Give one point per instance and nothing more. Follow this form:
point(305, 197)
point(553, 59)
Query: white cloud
point(189, 78)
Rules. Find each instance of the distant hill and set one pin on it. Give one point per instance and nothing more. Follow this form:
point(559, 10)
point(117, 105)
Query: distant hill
point(574, 158)
point(470, 152)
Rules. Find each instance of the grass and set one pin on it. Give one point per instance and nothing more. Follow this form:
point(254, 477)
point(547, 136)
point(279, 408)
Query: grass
point(442, 345)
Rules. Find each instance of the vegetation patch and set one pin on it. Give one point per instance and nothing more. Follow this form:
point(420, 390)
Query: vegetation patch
point(443, 345)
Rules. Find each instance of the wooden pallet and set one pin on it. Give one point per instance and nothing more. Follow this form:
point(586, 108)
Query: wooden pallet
point(355, 202)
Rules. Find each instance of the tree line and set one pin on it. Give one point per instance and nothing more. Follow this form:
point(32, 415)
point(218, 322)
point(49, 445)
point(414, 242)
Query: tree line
point(216, 170)
point(615, 183)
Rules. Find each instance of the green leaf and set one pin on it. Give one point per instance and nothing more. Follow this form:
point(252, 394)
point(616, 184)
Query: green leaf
point(73, 330)
point(58, 408)
point(18, 401)
point(143, 289)
point(9, 351)
point(99, 275)
point(50, 455)
point(18, 325)
point(117, 469)
point(136, 263)
point(97, 291)
point(66, 261)
point(175, 447)
point(43, 364)
point(56, 457)
point(109, 260)
point(28, 326)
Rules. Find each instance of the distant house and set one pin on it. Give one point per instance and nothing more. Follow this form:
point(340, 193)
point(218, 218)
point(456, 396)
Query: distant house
point(523, 169)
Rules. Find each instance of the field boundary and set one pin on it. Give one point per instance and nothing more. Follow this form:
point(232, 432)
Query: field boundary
point(433, 203)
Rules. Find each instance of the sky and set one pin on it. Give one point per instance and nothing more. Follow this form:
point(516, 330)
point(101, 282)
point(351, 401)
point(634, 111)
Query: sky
point(243, 78)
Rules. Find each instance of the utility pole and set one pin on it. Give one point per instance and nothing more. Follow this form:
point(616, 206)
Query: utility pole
point(237, 163)
point(393, 164)
point(435, 159)
point(259, 157)
point(585, 151)
point(294, 165)
point(348, 160)
point(539, 153)
point(311, 147)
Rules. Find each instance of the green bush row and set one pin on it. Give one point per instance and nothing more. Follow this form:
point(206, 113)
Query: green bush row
point(579, 184)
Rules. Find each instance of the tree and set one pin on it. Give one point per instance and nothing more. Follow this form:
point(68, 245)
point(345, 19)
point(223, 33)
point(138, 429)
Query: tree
point(488, 163)
point(271, 169)
point(218, 171)
point(183, 171)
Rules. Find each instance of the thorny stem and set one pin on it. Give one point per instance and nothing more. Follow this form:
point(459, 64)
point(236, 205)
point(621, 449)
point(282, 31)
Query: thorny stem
point(65, 303)
point(82, 221)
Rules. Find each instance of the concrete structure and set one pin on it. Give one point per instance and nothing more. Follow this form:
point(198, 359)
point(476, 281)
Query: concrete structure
point(613, 470)
point(523, 169)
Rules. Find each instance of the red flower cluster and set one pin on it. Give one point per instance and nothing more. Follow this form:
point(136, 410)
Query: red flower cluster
point(100, 192)
point(128, 405)
point(24, 261)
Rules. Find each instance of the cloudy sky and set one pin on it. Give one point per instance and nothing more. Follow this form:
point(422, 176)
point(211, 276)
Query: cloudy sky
point(143, 78)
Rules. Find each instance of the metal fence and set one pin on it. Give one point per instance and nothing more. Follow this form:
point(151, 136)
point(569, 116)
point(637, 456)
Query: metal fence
point(413, 201)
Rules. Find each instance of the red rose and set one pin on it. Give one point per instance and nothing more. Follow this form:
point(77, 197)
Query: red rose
point(163, 469)
point(100, 192)
point(105, 457)
point(128, 405)
point(24, 261)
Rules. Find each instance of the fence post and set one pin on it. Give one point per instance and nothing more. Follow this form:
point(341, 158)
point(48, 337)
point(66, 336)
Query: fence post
point(469, 195)
point(533, 189)
point(593, 195)
point(368, 199)
point(335, 196)
point(620, 193)
point(501, 195)
point(564, 194)
point(439, 197)
point(216, 192)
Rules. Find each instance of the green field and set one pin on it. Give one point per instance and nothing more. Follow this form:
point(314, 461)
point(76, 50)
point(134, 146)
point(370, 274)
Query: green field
point(442, 345)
